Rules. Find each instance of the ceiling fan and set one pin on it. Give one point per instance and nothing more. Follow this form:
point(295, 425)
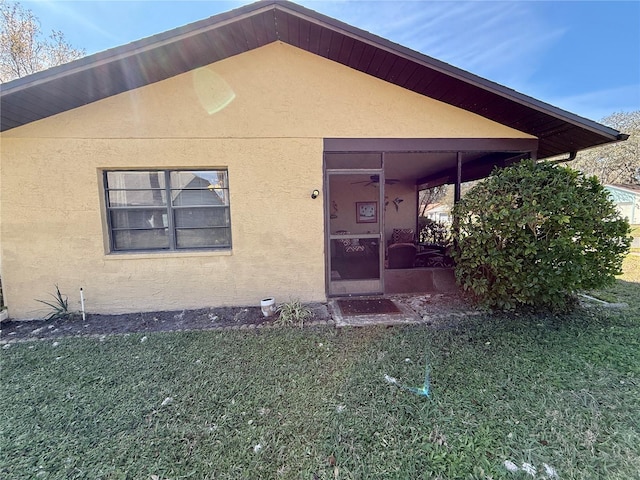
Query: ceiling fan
point(373, 179)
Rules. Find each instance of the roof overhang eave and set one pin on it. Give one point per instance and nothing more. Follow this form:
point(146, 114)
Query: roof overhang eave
point(132, 49)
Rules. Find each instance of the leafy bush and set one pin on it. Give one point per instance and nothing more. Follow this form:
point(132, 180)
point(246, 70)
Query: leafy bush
point(534, 234)
point(293, 312)
point(434, 233)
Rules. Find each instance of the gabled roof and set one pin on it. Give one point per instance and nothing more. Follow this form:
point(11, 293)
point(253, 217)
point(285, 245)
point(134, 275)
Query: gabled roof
point(198, 44)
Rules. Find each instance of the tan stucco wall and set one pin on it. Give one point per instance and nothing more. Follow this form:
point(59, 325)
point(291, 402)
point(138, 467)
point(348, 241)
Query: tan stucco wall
point(270, 139)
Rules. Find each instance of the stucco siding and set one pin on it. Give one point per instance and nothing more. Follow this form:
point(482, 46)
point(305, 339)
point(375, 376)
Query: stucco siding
point(54, 229)
point(269, 135)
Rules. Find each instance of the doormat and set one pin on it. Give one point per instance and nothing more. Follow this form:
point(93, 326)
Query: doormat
point(367, 306)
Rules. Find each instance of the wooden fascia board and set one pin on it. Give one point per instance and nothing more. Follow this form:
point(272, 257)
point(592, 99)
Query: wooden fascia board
point(515, 145)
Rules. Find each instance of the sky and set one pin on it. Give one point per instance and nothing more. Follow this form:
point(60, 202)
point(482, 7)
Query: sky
point(581, 56)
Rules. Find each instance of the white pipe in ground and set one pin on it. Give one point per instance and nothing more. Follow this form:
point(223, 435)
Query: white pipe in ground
point(82, 304)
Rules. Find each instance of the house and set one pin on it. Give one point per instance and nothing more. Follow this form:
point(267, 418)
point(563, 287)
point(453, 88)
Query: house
point(627, 200)
point(267, 151)
point(438, 212)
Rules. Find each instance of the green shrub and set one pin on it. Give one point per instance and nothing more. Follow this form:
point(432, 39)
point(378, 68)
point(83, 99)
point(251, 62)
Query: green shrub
point(535, 234)
point(293, 312)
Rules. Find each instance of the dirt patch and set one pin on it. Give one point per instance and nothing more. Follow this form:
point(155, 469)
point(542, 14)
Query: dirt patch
point(439, 310)
point(433, 310)
point(201, 319)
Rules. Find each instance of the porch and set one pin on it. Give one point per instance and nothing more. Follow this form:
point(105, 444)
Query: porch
point(426, 272)
point(419, 280)
point(371, 198)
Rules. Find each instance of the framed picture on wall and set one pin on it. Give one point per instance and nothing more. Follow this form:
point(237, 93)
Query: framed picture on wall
point(366, 212)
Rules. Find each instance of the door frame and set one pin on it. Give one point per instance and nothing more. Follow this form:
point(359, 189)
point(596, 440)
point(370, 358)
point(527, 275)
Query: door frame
point(342, 287)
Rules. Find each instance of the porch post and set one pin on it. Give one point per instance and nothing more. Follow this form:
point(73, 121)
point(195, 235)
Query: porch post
point(456, 198)
point(456, 195)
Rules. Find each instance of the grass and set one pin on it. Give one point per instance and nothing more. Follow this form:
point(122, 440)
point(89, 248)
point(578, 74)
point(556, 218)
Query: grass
point(627, 288)
point(313, 403)
point(635, 233)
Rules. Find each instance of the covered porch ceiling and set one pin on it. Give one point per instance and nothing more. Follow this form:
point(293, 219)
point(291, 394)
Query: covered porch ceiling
point(429, 163)
point(432, 169)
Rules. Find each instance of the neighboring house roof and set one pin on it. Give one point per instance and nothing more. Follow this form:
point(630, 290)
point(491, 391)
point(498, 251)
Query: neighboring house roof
point(624, 193)
point(171, 53)
point(627, 199)
point(635, 189)
point(437, 208)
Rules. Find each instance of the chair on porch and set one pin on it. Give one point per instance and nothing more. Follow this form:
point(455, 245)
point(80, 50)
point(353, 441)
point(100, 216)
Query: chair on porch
point(403, 235)
point(401, 250)
point(401, 255)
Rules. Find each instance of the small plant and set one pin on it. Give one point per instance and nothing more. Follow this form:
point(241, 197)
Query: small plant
point(292, 313)
point(59, 306)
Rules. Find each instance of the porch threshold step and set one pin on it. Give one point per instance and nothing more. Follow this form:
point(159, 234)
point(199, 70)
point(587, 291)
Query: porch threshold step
point(346, 312)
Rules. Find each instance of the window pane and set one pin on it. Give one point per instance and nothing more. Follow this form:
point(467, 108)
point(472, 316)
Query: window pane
point(137, 198)
point(140, 239)
point(203, 237)
point(202, 217)
point(199, 179)
point(135, 180)
point(139, 218)
point(199, 197)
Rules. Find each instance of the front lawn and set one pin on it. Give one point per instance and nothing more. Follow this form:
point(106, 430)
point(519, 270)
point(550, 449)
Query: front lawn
point(627, 288)
point(555, 394)
point(635, 233)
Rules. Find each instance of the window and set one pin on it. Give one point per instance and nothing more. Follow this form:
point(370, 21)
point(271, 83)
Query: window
point(167, 209)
